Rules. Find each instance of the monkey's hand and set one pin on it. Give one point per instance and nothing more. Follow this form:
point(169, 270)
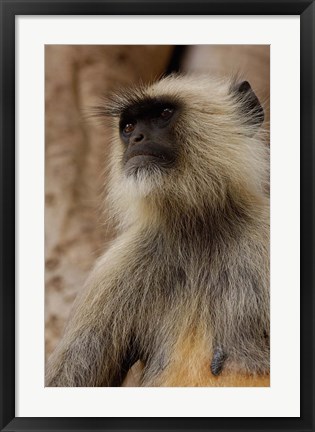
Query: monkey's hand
point(218, 360)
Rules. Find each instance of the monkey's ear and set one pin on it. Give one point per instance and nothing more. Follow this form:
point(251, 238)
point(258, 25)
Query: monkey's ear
point(250, 106)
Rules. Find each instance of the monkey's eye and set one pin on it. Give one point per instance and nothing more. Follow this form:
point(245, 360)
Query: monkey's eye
point(128, 128)
point(166, 113)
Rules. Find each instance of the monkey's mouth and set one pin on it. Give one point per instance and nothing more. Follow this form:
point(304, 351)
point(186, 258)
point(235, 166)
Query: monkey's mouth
point(147, 156)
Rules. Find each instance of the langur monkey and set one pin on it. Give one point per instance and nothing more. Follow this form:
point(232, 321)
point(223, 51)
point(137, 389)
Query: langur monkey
point(185, 285)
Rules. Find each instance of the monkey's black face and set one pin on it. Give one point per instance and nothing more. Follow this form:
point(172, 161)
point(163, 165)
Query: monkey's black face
point(147, 132)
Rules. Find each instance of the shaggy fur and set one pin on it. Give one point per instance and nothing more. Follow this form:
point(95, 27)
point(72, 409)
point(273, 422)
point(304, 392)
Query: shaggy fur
point(189, 269)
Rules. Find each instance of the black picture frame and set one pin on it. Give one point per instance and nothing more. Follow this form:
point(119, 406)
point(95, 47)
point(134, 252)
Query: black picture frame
point(9, 9)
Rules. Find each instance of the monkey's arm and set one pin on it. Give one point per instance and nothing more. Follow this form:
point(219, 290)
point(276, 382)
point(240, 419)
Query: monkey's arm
point(96, 349)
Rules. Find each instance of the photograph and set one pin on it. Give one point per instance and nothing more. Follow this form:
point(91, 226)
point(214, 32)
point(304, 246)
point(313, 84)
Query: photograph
point(157, 225)
point(157, 215)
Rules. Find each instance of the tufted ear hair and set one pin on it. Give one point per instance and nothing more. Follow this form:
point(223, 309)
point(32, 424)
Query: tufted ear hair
point(250, 106)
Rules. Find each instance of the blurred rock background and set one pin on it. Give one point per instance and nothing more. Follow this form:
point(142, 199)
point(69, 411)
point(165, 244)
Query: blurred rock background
point(77, 148)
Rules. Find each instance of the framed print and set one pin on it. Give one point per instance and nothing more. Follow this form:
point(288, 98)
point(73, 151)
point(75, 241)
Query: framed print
point(141, 144)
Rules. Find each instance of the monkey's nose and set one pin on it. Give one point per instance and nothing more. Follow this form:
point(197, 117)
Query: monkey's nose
point(138, 138)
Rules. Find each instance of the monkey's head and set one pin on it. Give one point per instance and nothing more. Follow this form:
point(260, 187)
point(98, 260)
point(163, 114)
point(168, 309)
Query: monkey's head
point(186, 141)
